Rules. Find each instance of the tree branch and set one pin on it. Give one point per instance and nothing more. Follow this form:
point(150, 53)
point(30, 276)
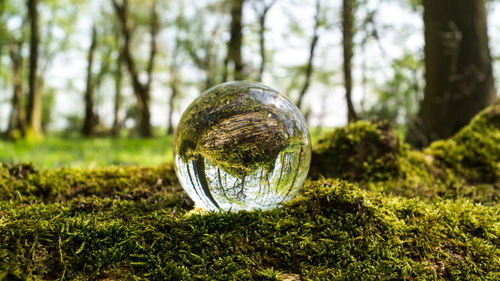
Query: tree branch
point(310, 66)
point(153, 46)
point(122, 12)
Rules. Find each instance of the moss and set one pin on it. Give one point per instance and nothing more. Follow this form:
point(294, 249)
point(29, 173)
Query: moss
point(22, 183)
point(359, 151)
point(239, 150)
point(466, 165)
point(387, 212)
point(333, 231)
point(474, 152)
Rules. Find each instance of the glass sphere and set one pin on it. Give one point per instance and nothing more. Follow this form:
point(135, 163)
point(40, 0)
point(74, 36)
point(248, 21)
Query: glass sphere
point(241, 146)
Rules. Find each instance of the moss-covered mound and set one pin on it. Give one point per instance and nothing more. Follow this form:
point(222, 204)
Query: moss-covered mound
point(333, 231)
point(361, 150)
point(466, 165)
point(474, 153)
point(391, 213)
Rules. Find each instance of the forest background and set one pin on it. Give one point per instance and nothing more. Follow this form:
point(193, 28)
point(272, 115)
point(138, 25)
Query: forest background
point(99, 69)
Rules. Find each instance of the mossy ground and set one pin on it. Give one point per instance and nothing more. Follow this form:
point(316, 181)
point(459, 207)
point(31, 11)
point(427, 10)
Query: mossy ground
point(387, 213)
point(466, 165)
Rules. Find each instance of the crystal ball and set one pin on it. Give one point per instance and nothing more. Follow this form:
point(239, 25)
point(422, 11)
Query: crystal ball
point(241, 146)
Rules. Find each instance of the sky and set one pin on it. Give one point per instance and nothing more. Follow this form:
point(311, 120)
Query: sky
point(399, 28)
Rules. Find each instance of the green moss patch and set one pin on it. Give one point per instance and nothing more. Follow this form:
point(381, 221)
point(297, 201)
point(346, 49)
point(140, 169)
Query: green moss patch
point(466, 165)
point(22, 183)
point(358, 151)
point(474, 152)
point(333, 231)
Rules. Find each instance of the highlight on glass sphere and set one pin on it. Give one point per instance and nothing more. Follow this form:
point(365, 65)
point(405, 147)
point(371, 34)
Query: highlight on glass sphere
point(241, 146)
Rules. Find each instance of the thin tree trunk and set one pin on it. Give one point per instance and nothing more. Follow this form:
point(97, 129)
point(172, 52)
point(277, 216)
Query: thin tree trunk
point(235, 42)
point(347, 43)
point(174, 87)
point(142, 91)
point(210, 59)
point(262, 38)
point(115, 130)
point(147, 129)
point(459, 80)
point(225, 70)
point(90, 121)
point(262, 45)
point(310, 60)
point(17, 118)
point(34, 109)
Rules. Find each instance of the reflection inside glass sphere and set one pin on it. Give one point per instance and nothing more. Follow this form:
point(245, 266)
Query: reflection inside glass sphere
point(241, 146)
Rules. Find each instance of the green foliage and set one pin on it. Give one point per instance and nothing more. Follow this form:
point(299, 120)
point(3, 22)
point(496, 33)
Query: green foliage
point(49, 101)
point(398, 99)
point(54, 152)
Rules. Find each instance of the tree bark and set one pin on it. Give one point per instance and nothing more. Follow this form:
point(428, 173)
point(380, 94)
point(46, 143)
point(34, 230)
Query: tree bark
point(347, 44)
point(310, 60)
point(115, 130)
point(90, 121)
point(459, 79)
point(235, 42)
point(17, 118)
point(262, 37)
point(210, 61)
point(34, 109)
point(174, 86)
point(142, 90)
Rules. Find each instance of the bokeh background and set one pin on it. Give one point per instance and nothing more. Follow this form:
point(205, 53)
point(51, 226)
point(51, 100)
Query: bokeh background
point(104, 82)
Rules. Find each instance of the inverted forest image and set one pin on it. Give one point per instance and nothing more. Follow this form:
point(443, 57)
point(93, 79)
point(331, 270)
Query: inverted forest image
point(249, 140)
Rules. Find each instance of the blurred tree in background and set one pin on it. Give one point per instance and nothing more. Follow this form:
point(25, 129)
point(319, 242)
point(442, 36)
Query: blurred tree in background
point(130, 62)
point(459, 73)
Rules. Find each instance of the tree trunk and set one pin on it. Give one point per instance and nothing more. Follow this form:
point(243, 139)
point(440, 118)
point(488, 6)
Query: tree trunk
point(34, 109)
point(90, 121)
point(262, 44)
point(235, 42)
point(142, 91)
point(174, 86)
point(17, 118)
point(459, 80)
point(310, 60)
point(262, 38)
point(115, 130)
point(210, 64)
point(347, 44)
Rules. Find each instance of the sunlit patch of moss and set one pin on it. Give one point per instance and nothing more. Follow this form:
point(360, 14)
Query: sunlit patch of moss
point(23, 183)
point(332, 231)
point(359, 151)
point(474, 152)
